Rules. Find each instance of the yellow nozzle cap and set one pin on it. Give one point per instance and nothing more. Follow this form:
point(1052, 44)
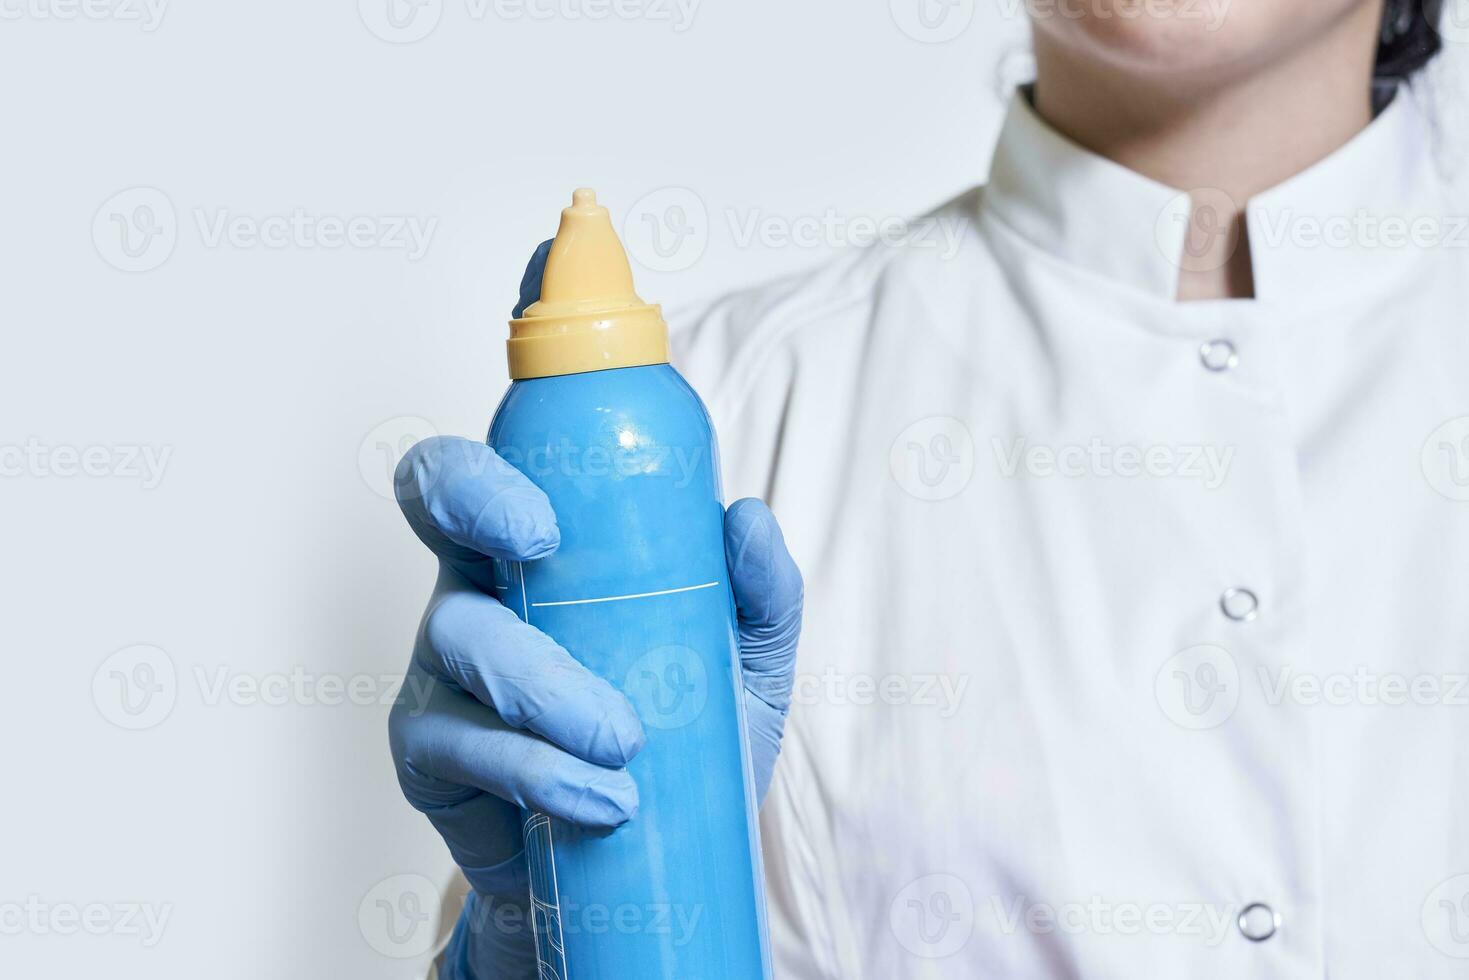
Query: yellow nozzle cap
point(588, 317)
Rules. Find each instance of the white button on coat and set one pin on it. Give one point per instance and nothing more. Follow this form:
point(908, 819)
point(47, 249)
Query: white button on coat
point(1240, 605)
point(1258, 922)
point(1218, 355)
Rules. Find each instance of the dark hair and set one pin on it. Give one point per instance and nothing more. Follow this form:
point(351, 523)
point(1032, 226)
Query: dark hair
point(1409, 38)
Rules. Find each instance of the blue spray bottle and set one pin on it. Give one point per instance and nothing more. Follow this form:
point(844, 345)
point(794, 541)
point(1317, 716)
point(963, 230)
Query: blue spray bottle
point(638, 592)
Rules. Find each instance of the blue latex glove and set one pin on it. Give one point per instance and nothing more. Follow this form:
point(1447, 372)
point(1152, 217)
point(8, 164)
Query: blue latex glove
point(507, 719)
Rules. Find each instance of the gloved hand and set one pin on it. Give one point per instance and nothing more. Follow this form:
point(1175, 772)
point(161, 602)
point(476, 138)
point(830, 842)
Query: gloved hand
point(504, 718)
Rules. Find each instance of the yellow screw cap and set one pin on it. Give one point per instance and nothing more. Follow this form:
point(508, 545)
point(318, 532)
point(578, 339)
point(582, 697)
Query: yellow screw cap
point(588, 317)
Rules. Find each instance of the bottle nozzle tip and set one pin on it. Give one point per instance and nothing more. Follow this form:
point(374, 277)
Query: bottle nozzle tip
point(588, 316)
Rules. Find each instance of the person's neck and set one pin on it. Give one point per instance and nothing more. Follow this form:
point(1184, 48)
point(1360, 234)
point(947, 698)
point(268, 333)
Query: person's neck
point(1224, 142)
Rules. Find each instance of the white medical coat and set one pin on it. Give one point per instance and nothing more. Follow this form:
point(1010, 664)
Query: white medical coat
point(1137, 632)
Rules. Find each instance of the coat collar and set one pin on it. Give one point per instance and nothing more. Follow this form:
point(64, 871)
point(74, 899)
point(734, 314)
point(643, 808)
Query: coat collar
point(1360, 214)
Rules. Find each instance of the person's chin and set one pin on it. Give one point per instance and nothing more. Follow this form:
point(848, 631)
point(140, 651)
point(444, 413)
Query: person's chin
point(1173, 48)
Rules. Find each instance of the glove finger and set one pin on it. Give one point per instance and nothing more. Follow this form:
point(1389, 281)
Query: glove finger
point(459, 746)
point(482, 832)
point(469, 505)
point(530, 283)
point(532, 683)
point(769, 596)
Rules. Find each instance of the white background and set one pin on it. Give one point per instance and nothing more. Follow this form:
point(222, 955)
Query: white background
point(280, 379)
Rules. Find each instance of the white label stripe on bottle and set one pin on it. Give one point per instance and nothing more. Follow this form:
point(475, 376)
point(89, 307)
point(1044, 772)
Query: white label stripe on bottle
point(545, 896)
point(524, 595)
point(619, 598)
